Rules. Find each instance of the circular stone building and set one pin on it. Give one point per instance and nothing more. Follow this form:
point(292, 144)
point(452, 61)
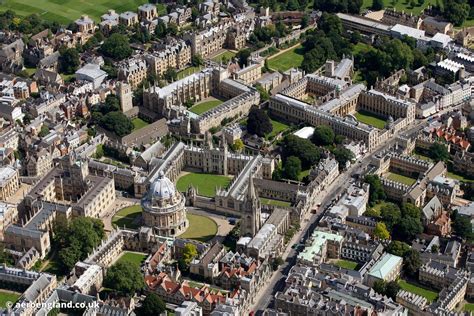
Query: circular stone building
point(163, 208)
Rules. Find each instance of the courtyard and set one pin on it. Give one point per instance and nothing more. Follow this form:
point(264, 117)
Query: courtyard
point(8, 296)
point(224, 55)
point(138, 123)
point(370, 119)
point(201, 228)
point(418, 289)
point(265, 201)
point(346, 264)
point(205, 183)
point(128, 217)
point(292, 58)
point(400, 178)
point(136, 258)
point(205, 105)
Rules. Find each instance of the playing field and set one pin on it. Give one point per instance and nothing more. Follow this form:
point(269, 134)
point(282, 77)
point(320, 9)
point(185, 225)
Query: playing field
point(132, 257)
point(400, 178)
point(126, 216)
point(228, 54)
point(205, 106)
point(138, 123)
point(265, 201)
point(8, 297)
point(292, 58)
point(417, 289)
point(346, 264)
point(401, 5)
point(204, 183)
point(370, 119)
point(66, 11)
point(200, 228)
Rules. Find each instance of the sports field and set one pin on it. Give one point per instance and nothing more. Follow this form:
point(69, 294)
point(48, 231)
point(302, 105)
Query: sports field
point(370, 119)
point(66, 11)
point(205, 106)
point(126, 216)
point(200, 228)
point(205, 183)
point(401, 178)
point(8, 296)
point(417, 289)
point(401, 5)
point(138, 123)
point(292, 58)
point(132, 257)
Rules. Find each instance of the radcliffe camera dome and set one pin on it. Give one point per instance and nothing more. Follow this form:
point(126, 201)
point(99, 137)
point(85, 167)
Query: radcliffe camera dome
point(162, 188)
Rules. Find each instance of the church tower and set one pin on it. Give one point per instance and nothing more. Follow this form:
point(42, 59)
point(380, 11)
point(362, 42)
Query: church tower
point(251, 217)
point(124, 93)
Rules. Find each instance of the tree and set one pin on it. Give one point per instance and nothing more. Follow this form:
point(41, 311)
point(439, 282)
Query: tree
point(434, 249)
point(456, 11)
point(125, 278)
point(398, 248)
point(421, 2)
point(99, 151)
point(112, 103)
point(411, 262)
point(278, 261)
point(172, 29)
point(43, 131)
point(343, 155)
point(170, 75)
point(69, 61)
point(323, 135)
point(292, 168)
point(377, 5)
point(160, 29)
point(258, 122)
point(380, 286)
point(197, 60)
point(117, 122)
point(390, 214)
point(238, 145)
point(116, 46)
point(243, 56)
point(381, 231)
point(408, 228)
point(439, 152)
point(391, 289)
point(411, 210)
point(189, 252)
point(264, 96)
point(462, 226)
point(151, 305)
point(304, 149)
point(376, 191)
point(468, 189)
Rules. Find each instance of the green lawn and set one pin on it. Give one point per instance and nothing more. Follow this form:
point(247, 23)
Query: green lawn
point(468, 307)
point(401, 5)
point(346, 264)
point(303, 174)
point(66, 11)
point(277, 128)
point(126, 216)
point(187, 72)
point(290, 59)
point(204, 183)
point(361, 48)
point(228, 54)
point(138, 123)
point(132, 257)
point(400, 178)
point(418, 289)
point(205, 106)
point(8, 297)
point(370, 119)
point(200, 228)
point(265, 201)
point(457, 176)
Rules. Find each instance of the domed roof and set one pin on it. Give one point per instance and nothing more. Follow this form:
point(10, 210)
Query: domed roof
point(162, 188)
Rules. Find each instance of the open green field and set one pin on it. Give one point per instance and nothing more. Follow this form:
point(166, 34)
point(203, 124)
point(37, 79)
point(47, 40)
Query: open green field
point(66, 11)
point(228, 54)
point(205, 106)
point(277, 128)
point(7, 296)
point(400, 178)
point(401, 5)
point(187, 72)
point(265, 201)
point(200, 228)
point(346, 264)
point(126, 216)
point(290, 59)
point(418, 289)
point(132, 257)
point(205, 183)
point(370, 119)
point(138, 123)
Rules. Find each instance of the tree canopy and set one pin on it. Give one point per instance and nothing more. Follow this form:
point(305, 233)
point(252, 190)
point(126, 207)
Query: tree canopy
point(304, 149)
point(292, 168)
point(116, 47)
point(381, 231)
point(439, 152)
point(189, 252)
point(69, 61)
point(258, 122)
point(376, 191)
point(151, 305)
point(323, 135)
point(125, 278)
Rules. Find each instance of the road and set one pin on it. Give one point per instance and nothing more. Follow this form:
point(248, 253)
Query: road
point(277, 281)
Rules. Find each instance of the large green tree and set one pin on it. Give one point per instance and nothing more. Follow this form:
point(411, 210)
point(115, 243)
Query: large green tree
point(292, 168)
point(323, 135)
point(376, 191)
point(381, 232)
point(125, 278)
point(258, 122)
point(439, 152)
point(69, 61)
point(151, 305)
point(342, 156)
point(117, 46)
point(189, 253)
point(398, 248)
point(411, 262)
point(304, 149)
point(117, 122)
point(390, 214)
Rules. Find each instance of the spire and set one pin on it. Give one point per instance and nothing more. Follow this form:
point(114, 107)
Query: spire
point(251, 189)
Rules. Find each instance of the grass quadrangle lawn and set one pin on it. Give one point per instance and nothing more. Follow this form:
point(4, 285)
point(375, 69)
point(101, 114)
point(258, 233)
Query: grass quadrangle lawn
point(136, 258)
point(370, 119)
point(8, 296)
point(292, 58)
point(346, 264)
point(227, 54)
point(200, 228)
point(400, 178)
point(138, 123)
point(277, 128)
point(468, 307)
point(265, 201)
point(418, 289)
point(205, 106)
point(126, 216)
point(205, 183)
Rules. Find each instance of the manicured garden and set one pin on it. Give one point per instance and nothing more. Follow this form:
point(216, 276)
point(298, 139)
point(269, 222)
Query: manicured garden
point(138, 123)
point(277, 128)
point(132, 257)
point(66, 11)
point(370, 119)
point(127, 217)
point(225, 55)
point(205, 183)
point(400, 178)
point(7, 296)
point(205, 106)
point(292, 58)
point(200, 228)
point(418, 289)
point(346, 264)
point(265, 201)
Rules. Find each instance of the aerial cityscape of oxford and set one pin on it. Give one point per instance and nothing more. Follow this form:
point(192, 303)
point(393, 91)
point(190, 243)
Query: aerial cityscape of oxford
point(237, 157)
